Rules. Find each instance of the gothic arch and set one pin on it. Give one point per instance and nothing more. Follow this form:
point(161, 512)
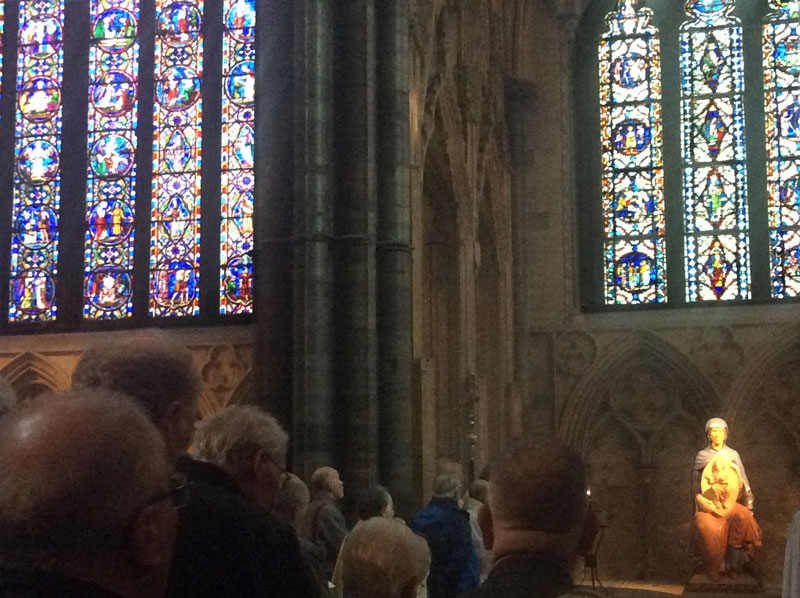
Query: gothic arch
point(642, 347)
point(30, 374)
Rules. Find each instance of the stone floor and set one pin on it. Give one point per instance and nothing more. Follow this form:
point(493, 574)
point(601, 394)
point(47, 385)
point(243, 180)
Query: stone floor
point(639, 589)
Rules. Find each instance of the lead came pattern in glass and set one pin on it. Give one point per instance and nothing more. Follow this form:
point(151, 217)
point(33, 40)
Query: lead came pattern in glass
point(111, 176)
point(37, 176)
point(781, 46)
point(238, 177)
point(633, 179)
point(715, 184)
point(177, 157)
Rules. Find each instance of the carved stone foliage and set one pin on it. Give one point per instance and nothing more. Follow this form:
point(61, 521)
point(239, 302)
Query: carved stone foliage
point(718, 355)
point(226, 378)
point(638, 418)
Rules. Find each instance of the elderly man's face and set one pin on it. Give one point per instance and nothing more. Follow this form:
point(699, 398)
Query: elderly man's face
point(336, 485)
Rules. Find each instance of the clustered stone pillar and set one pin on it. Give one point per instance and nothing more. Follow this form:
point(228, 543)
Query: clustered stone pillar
point(333, 267)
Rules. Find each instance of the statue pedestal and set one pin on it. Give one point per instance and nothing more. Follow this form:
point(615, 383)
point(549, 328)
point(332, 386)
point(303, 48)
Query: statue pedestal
point(702, 585)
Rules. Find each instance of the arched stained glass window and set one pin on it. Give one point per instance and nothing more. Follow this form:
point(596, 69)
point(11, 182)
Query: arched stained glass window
point(177, 158)
point(238, 141)
point(633, 179)
point(37, 180)
point(782, 108)
point(715, 177)
point(111, 177)
point(114, 101)
point(711, 149)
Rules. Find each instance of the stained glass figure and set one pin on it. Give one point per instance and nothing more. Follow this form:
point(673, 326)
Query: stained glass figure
point(782, 109)
point(238, 96)
point(714, 180)
point(111, 176)
point(37, 177)
point(633, 178)
point(177, 144)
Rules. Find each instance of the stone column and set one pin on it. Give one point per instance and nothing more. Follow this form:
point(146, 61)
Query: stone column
point(273, 200)
point(313, 226)
point(355, 345)
point(394, 257)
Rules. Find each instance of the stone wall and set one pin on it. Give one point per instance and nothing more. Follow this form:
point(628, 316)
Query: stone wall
point(44, 362)
point(632, 390)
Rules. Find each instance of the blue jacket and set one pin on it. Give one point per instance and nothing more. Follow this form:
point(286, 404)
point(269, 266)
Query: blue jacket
point(454, 564)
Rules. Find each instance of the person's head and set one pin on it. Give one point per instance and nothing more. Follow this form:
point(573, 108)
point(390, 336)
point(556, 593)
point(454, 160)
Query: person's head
point(479, 490)
point(717, 432)
point(8, 398)
point(383, 558)
point(326, 481)
point(449, 479)
point(250, 445)
point(155, 371)
point(375, 501)
point(537, 499)
point(85, 492)
point(291, 502)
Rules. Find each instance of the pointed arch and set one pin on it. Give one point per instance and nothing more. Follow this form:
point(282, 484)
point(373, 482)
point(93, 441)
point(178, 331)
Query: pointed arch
point(30, 374)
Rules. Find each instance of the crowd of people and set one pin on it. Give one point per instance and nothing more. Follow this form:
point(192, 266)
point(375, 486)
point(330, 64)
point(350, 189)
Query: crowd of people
point(114, 489)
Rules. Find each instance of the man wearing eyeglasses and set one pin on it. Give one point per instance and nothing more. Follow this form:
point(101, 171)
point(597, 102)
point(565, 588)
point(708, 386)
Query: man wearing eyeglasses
point(225, 546)
point(84, 515)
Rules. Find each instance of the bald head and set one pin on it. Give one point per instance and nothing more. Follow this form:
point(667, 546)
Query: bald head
point(325, 481)
point(157, 372)
point(76, 470)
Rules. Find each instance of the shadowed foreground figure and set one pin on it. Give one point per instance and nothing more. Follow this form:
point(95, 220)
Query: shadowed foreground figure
point(84, 515)
point(535, 521)
point(382, 558)
point(726, 533)
point(226, 545)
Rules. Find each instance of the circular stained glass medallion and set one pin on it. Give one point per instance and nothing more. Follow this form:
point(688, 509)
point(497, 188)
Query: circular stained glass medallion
point(629, 71)
point(180, 23)
point(241, 20)
point(238, 280)
point(36, 226)
point(34, 291)
point(111, 156)
point(175, 284)
point(631, 136)
point(113, 94)
point(43, 35)
point(632, 205)
point(709, 8)
point(110, 222)
point(178, 88)
point(634, 272)
point(241, 83)
point(39, 99)
point(38, 162)
point(787, 56)
point(108, 289)
point(115, 30)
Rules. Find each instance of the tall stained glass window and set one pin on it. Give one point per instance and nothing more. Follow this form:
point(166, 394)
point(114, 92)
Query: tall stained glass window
point(715, 181)
point(238, 96)
point(633, 178)
point(37, 177)
point(782, 111)
point(111, 177)
point(177, 141)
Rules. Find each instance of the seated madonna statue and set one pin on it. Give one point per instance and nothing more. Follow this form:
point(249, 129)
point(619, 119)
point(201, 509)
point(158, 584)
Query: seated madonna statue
point(726, 533)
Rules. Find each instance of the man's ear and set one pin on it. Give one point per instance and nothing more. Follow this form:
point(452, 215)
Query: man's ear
point(153, 536)
point(486, 525)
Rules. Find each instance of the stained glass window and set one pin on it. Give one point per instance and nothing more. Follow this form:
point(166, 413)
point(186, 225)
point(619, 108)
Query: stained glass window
point(2, 29)
point(177, 145)
point(238, 178)
point(633, 178)
point(37, 179)
point(782, 111)
point(715, 178)
point(111, 177)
